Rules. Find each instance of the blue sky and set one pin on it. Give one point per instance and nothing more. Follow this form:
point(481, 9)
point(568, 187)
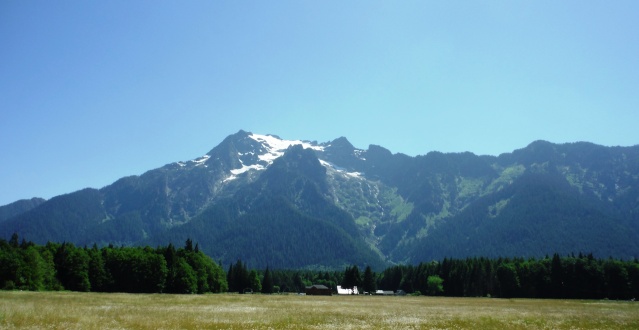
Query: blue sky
point(91, 91)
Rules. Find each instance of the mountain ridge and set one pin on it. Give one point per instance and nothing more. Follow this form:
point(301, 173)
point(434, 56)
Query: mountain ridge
point(20, 206)
point(378, 207)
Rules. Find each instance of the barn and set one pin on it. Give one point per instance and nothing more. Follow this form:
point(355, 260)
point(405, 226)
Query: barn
point(318, 290)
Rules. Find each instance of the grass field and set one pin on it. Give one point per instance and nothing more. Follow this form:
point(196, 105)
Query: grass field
point(71, 310)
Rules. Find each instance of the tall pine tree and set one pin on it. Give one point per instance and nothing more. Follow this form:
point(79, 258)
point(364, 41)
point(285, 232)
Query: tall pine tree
point(369, 280)
point(351, 278)
point(267, 282)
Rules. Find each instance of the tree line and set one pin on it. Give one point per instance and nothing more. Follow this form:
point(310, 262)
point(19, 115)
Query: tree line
point(165, 269)
point(568, 277)
point(63, 266)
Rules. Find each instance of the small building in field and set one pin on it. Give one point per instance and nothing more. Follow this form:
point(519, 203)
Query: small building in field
point(384, 293)
point(318, 290)
point(341, 290)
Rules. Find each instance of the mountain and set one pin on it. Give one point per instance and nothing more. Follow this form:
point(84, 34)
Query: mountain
point(291, 203)
point(18, 207)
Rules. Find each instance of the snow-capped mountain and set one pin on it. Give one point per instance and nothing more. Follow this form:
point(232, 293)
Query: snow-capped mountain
point(255, 152)
point(272, 147)
point(296, 203)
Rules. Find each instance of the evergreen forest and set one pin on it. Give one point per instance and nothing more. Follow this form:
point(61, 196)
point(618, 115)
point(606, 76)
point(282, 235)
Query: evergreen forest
point(55, 266)
point(185, 270)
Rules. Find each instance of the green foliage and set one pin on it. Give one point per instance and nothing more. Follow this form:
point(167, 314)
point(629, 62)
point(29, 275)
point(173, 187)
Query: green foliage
point(72, 267)
point(109, 269)
point(399, 207)
point(368, 282)
point(185, 278)
point(254, 280)
point(267, 282)
point(538, 214)
point(580, 277)
point(274, 233)
point(98, 275)
point(508, 280)
point(135, 270)
point(297, 280)
point(238, 277)
point(352, 278)
point(27, 266)
point(435, 285)
point(208, 275)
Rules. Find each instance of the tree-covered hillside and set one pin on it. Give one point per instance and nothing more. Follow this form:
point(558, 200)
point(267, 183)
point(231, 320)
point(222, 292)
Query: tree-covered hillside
point(283, 219)
point(19, 207)
point(289, 203)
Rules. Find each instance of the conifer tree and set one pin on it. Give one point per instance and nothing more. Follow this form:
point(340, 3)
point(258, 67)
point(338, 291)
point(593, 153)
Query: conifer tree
point(556, 277)
point(254, 281)
point(267, 282)
point(188, 245)
point(351, 278)
point(369, 280)
point(170, 255)
point(230, 279)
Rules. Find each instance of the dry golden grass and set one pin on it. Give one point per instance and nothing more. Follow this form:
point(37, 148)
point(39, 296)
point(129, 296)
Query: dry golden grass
point(71, 310)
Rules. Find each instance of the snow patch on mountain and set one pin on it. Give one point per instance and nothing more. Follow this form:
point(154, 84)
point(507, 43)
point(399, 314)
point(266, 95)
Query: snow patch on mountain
point(200, 161)
point(245, 168)
point(340, 170)
point(229, 178)
point(354, 174)
point(275, 148)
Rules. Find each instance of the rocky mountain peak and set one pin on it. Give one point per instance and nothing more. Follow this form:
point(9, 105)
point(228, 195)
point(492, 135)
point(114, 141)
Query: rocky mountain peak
point(352, 204)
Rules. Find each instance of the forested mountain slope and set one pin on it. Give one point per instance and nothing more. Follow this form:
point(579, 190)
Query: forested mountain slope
point(291, 203)
point(18, 207)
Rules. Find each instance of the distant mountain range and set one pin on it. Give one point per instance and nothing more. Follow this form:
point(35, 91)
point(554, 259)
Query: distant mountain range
point(294, 204)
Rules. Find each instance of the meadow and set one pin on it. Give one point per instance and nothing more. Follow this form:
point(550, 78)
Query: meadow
point(73, 310)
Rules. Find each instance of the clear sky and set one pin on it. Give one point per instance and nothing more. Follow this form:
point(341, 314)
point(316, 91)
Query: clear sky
point(91, 91)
